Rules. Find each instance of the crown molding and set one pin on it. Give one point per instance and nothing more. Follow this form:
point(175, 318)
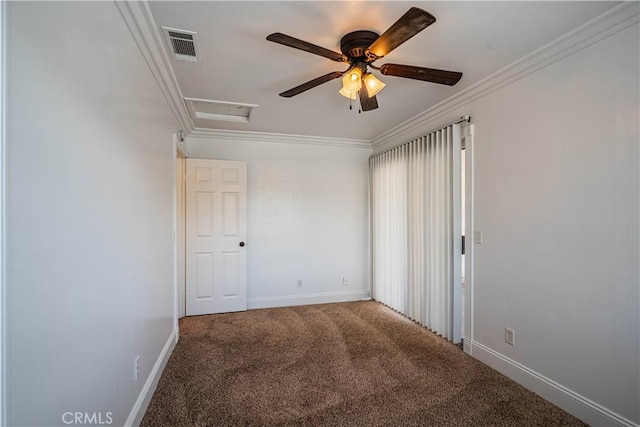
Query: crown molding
point(281, 138)
point(610, 22)
point(138, 18)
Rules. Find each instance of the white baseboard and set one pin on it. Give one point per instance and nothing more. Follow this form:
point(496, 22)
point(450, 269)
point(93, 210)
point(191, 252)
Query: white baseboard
point(306, 299)
point(572, 402)
point(142, 402)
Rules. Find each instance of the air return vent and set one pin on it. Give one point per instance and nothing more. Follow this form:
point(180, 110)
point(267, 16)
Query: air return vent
point(183, 45)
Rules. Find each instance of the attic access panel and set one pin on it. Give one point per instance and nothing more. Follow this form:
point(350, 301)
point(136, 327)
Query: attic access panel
point(206, 109)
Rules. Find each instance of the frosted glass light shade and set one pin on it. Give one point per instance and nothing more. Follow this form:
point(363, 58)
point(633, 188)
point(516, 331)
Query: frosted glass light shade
point(347, 94)
point(373, 84)
point(352, 81)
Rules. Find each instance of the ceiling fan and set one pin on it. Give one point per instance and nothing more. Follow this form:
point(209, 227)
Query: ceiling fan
point(360, 49)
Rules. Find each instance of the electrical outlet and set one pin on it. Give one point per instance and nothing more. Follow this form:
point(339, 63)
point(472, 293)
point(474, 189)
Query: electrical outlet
point(136, 367)
point(344, 281)
point(477, 237)
point(509, 336)
point(299, 283)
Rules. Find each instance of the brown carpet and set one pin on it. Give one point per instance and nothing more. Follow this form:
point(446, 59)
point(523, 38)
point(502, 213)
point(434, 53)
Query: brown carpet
point(347, 364)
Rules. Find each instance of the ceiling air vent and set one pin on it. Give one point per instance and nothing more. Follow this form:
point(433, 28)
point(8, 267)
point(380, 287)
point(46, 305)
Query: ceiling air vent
point(183, 44)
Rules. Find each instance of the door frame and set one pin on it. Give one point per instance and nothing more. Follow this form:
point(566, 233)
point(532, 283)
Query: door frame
point(3, 206)
point(467, 337)
point(179, 154)
point(180, 236)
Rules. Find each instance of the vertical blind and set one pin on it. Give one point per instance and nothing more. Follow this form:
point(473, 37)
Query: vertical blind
point(416, 230)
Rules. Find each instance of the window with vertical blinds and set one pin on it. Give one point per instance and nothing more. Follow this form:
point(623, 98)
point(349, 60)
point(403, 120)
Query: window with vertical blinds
point(416, 230)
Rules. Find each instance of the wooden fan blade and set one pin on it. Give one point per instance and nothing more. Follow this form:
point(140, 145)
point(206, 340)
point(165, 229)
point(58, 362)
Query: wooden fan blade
point(311, 84)
point(419, 73)
point(367, 103)
point(409, 24)
point(306, 46)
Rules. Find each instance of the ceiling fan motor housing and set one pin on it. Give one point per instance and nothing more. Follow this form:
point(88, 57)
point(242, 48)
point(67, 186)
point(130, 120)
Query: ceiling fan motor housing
point(354, 45)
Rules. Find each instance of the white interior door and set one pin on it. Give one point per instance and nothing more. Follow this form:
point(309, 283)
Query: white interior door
point(216, 270)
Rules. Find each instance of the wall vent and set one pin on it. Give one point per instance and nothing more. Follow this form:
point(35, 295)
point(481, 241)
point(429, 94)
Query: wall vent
point(183, 45)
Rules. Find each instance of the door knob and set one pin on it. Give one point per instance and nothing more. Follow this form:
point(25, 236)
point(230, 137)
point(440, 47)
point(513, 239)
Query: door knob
point(241, 244)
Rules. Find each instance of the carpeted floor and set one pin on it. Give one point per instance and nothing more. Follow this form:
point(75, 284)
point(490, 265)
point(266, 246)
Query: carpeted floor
point(347, 364)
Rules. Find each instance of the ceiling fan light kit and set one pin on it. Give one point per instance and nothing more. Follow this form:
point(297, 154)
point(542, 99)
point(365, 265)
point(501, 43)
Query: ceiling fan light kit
point(360, 49)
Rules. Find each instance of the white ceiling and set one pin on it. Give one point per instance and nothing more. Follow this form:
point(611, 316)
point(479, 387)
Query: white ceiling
point(239, 65)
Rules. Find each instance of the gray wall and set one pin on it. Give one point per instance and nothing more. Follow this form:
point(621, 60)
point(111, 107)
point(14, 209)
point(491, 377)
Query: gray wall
point(90, 213)
point(557, 198)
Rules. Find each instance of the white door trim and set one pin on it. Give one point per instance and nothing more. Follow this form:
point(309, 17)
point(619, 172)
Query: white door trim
point(179, 154)
point(180, 231)
point(468, 339)
point(176, 290)
point(3, 206)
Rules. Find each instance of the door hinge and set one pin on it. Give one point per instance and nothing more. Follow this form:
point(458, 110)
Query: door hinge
point(462, 245)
